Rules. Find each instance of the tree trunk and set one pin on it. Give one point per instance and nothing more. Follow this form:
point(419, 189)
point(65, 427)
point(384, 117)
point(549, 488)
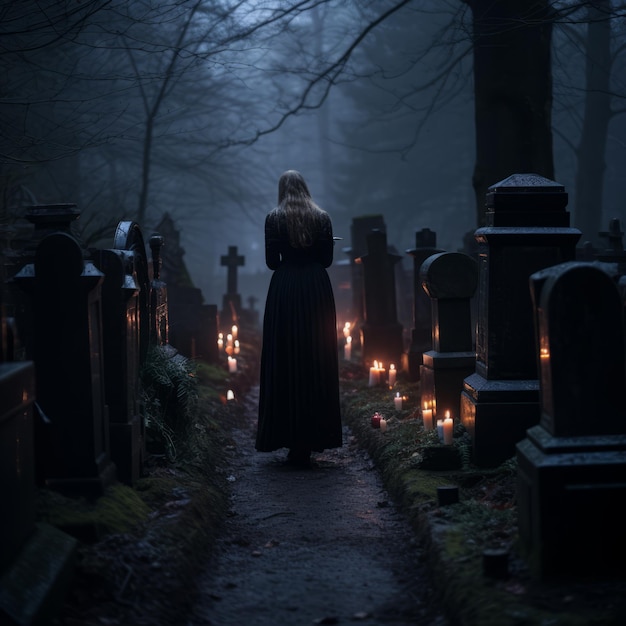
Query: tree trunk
point(597, 115)
point(512, 92)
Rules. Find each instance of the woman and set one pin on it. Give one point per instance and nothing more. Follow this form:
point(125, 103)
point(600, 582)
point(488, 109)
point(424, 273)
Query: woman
point(299, 386)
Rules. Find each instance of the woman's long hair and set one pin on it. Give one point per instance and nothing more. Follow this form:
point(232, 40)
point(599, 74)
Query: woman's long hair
point(302, 214)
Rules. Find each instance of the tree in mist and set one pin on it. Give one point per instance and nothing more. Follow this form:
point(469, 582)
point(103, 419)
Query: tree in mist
point(591, 46)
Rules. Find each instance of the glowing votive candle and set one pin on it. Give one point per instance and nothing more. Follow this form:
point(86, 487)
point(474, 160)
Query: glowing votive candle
point(397, 401)
point(236, 349)
point(427, 416)
point(234, 330)
point(347, 348)
point(374, 375)
point(232, 364)
point(448, 426)
point(346, 330)
point(392, 375)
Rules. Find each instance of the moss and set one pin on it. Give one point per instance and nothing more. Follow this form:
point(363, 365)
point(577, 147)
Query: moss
point(118, 510)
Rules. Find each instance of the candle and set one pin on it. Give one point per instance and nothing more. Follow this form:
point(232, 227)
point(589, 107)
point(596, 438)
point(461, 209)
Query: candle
point(392, 375)
point(346, 330)
point(397, 401)
point(376, 420)
point(236, 349)
point(229, 344)
point(234, 331)
point(232, 364)
point(381, 373)
point(220, 341)
point(448, 426)
point(347, 349)
point(427, 416)
point(440, 429)
point(383, 424)
point(230, 395)
point(374, 375)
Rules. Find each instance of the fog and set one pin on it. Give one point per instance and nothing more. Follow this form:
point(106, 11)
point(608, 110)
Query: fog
point(194, 112)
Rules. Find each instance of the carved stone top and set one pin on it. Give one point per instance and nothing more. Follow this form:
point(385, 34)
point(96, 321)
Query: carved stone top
point(532, 183)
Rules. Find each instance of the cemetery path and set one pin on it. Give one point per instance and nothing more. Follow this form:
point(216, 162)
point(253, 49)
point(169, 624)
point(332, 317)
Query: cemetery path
point(305, 546)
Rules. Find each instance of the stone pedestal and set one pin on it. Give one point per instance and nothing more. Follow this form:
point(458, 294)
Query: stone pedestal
point(450, 280)
point(527, 230)
point(572, 466)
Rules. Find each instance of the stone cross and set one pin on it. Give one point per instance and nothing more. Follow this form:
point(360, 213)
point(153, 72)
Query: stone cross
point(232, 261)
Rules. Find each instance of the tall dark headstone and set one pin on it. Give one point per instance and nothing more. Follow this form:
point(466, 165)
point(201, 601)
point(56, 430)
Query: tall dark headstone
point(527, 230)
point(125, 330)
point(450, 280)
point(572, 465)
point(65, 343)
point(231, 302)
point(359, 229)
point(421, 333)
point(381, 331)
point(36, 559)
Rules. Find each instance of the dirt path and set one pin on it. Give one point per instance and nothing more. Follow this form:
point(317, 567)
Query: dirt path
point(306, 546)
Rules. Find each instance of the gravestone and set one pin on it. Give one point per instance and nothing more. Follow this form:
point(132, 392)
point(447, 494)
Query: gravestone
point(572, 465)
point(231, 301)
point(72, 452)
point(190, 321)
point(359, 229)
point(614, 252)
point(36, 559)
point(527, 230)
point(381, 333)
point(450, 280)
point(159, 323)
point(421, 334)
point(125, 331)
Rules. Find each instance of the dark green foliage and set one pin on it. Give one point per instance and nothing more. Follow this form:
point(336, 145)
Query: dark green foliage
point(170, 396)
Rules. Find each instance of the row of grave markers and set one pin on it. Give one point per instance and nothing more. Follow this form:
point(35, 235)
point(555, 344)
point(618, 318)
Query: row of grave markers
point(526, 348)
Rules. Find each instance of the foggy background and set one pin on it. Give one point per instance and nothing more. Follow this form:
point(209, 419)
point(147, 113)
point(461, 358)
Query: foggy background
point(135, 110)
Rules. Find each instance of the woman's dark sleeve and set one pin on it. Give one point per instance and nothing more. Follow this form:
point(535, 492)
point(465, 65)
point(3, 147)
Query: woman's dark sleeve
point(272, 251)
point(325, 244)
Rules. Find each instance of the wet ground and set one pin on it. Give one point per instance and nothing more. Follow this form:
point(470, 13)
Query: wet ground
point(323, 545)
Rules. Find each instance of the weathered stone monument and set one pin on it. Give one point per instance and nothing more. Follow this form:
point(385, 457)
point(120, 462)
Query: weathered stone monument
point(36, 559)
point(527, 230)
point(572, 465)
point(231, 301)
point(381, 333)
point(421, 333)
point(64, 341)
point(450, 280)
point(359, 229)
point(192, 325)
point(126, 332)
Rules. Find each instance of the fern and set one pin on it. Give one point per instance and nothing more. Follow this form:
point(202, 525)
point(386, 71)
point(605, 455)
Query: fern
point(170, 397)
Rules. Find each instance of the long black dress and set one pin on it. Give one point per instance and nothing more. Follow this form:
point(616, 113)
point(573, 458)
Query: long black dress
point(299, 383)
